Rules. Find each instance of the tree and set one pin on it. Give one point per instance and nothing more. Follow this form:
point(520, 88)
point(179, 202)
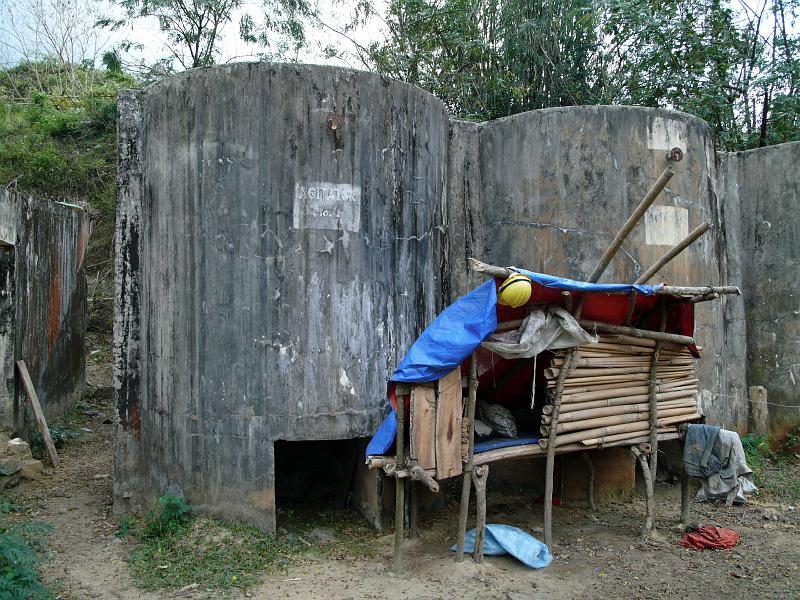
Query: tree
point(734, 65)
point(192, 27)
point(491, 58)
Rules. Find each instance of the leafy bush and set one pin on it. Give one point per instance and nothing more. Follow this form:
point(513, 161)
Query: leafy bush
point(172, 516)
point(758, 453)
point(20, 545)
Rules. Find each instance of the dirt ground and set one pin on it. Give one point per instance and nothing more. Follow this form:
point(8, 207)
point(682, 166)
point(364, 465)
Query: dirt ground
point(596, 556)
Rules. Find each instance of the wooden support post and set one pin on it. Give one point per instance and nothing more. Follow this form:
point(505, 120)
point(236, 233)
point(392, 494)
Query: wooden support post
point(467, 478)
point(413, 517)
point(479, 477)
point(587, 457)
point(38, 415)
point(686, 501)
point(551, 449)
point(399, 495)
point(672, 253)
point(654, 404)
point(631, 308)
point(648, 485)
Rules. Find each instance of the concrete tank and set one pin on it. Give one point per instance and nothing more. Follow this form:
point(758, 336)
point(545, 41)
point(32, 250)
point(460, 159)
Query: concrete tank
point(277, 231)
point(554, 187)
point(284, 233)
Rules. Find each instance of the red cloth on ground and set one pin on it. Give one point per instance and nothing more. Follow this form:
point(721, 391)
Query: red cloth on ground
point(710, 537)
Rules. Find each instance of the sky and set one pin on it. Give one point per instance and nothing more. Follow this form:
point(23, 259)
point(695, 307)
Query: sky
point(18, 30)
point(18, 23)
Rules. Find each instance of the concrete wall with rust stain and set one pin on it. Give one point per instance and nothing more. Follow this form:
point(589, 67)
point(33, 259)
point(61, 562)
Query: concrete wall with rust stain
point(762, 190)
point(46, 326)
point(285, 232)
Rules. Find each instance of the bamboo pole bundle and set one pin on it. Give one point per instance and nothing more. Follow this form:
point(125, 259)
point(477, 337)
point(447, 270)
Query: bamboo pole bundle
point(631, 436)
point(618, 408)
point(578, 436)
point(616, 388)
point(591, 395)
point(610, 420)
point(623, 400)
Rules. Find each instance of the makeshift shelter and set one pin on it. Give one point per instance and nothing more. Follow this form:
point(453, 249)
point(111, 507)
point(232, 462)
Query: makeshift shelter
point(583, 365)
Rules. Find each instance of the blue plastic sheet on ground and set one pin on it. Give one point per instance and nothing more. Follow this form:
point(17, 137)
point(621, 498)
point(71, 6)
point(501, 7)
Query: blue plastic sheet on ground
point(563, 283)
point(505, 539)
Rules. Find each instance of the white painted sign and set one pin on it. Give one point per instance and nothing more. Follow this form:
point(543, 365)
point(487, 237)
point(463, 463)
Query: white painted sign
point(322, 205)
point(665, 225)
point(666, 134)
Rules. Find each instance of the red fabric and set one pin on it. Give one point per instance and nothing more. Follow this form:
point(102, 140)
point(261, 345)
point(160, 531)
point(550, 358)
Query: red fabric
point(709, 537)
point(610, 308)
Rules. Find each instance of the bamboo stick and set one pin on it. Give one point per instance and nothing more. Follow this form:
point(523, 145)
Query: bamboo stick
point(590, 361)
point(650, 521)
point(552, 372)
point(603, 387)
point(635, 217)
point(550, 464)
point(665, 290)
point(624, 400)
point(672, 253)
point(632, 331)
point(400, 486)
point(602, 395)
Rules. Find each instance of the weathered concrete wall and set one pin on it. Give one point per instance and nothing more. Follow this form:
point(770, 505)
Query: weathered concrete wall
point(283, 234)
point(762, 188)
point(276, 231)
point(44, 304)
point(553, 188)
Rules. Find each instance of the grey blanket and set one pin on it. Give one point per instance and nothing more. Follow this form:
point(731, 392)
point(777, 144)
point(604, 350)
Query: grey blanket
point(730, 479)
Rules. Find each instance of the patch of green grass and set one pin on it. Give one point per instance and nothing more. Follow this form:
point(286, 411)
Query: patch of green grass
point(776, 473)
point(174, 548)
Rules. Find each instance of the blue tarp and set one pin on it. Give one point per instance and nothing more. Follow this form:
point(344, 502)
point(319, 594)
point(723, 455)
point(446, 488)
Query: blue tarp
point(459, 330)
point(495, 443)
point(452, 336)
point(502, 539)
point(563, 283)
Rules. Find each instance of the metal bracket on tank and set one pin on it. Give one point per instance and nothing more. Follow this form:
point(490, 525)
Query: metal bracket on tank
point(675, 155)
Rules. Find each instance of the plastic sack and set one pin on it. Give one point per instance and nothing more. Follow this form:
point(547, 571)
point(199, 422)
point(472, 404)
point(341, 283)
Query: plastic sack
point(505, 539)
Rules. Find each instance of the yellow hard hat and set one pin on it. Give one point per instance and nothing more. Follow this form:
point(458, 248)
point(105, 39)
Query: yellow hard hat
point(515, 291)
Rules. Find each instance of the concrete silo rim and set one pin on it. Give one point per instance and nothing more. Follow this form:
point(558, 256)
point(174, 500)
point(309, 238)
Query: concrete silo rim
point(297, 68)
point(782, 147)
point(609, 110)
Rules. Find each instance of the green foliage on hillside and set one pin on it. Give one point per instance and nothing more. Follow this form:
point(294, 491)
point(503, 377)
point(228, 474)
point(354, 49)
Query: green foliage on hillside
point(57, 146)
